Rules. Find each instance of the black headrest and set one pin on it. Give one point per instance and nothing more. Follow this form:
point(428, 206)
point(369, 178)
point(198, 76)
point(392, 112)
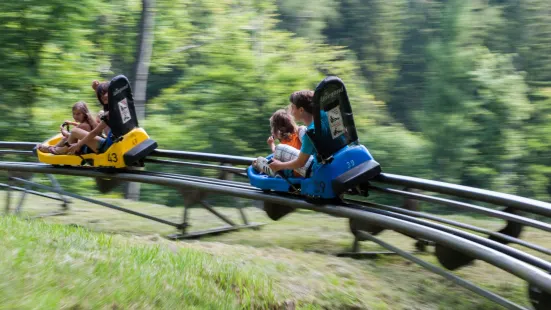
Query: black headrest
point(331, 97)
point(122, 113)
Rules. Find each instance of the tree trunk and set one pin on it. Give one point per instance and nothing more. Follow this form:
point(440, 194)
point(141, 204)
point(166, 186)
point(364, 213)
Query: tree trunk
point(145, 50)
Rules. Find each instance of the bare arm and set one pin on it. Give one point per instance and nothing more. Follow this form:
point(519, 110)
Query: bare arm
point(87, 139)
point(71, 123)
point(85, 126)
point(271, 143)
point(64, 132)
point(94, 133)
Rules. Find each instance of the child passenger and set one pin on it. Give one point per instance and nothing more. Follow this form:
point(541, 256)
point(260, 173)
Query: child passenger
point(290, 136)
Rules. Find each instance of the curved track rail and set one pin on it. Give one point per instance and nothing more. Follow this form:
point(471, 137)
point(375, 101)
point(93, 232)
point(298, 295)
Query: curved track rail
point(453, 241)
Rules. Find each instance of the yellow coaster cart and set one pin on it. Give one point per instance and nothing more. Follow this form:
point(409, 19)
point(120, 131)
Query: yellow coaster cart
point(131, 144)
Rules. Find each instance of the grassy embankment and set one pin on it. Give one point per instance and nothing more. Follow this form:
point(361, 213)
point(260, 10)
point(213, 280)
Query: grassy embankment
point(115, 260)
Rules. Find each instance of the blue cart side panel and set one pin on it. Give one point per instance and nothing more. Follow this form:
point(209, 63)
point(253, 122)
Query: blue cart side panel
point(319, 184)
point(267, 182)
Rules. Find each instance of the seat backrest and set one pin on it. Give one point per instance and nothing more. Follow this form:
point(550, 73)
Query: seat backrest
point(122, 114)
point(332, 106)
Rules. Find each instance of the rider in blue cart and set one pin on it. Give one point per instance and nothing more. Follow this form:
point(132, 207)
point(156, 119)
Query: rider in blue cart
point(301, 108)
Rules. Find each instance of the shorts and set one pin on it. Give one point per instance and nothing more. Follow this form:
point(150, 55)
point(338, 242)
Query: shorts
point(103, 145)
point(286, 153)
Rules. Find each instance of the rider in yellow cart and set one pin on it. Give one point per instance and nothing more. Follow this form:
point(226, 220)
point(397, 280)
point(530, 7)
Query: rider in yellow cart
point(126, 144)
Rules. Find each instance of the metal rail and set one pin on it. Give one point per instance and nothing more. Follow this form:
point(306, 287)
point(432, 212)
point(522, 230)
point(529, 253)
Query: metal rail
point(25, 146)
point(522, 203)
point(508, 200)
point(187, 177)
point(221, 158)
point(523, 220)
point(502, 199)
point(510, 264)
point(456, 224)
point(196, 165)
point(530, 259)
point(17, 152)
point(242, 185)
point(461, 205)
point(229, 159)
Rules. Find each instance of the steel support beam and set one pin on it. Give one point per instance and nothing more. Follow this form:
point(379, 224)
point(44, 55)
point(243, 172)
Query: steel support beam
point(101, 203)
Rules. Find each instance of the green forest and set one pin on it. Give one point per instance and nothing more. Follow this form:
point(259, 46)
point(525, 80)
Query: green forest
point(451, 90)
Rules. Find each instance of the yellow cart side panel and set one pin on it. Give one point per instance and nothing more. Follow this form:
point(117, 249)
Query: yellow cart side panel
point(112, 157)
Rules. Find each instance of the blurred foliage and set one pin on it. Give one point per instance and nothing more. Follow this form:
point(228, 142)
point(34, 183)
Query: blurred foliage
point(453, 90)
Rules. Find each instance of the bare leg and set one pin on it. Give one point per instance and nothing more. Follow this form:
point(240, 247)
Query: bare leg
point(58, 149)
point(61, 147)
point(79, 134)
point(62, 141)
point(76, 134)
point(46, 149)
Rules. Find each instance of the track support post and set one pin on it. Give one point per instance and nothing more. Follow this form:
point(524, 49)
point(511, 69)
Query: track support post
point(194, 197)
point(29, 184)
point(8, 197)
point(23, 195)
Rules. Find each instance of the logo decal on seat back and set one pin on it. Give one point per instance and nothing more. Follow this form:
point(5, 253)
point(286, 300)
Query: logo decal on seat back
point(119, 90)
point(125, 112)
point(334, 118)
point(331, 96)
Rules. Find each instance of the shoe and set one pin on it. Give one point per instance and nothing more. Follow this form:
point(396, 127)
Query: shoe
point(261, 165)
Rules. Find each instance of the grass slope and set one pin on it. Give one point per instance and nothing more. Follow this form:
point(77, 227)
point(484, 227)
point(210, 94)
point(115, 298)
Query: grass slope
point(48, 266)
point(119, 261)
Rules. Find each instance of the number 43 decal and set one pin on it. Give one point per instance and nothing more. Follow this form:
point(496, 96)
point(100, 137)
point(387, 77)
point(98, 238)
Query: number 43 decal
point(112, 157)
